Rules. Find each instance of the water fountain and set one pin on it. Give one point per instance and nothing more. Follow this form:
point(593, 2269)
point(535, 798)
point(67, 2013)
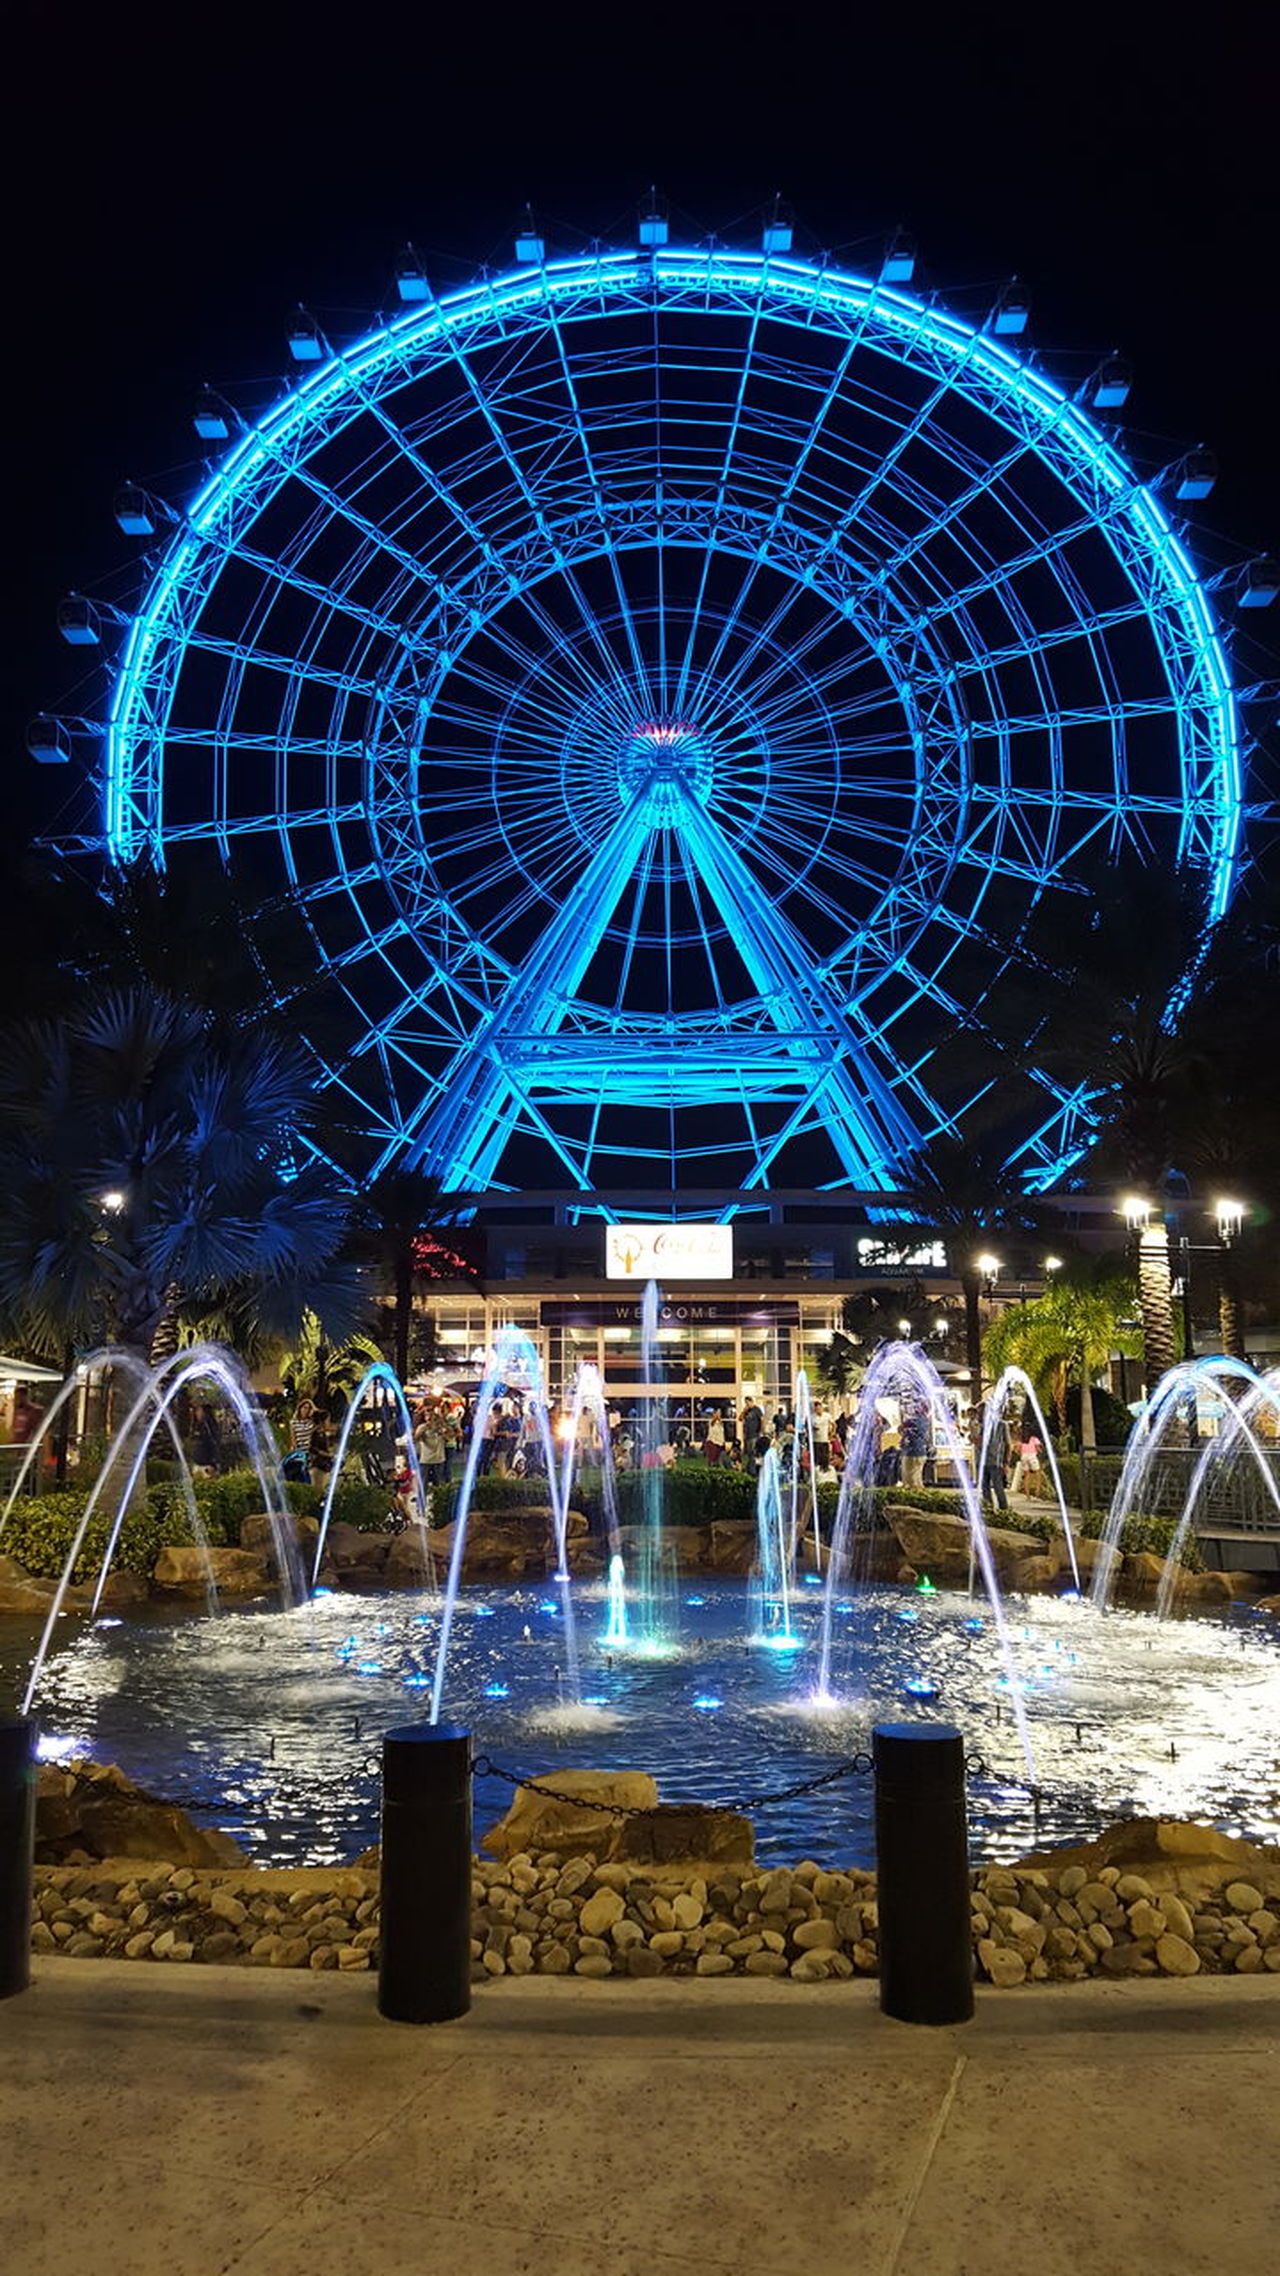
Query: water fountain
point(1227, 1447)
point(1160, 1416)
point(379, 1374)
point(892, 1365)
point(1016, 1379)
point(145, 1691)
point(514, 1355)
point(128, 1451)
point(775, 1552)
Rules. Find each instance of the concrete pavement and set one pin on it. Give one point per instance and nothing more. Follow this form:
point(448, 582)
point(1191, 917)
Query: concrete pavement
point(189, 2121)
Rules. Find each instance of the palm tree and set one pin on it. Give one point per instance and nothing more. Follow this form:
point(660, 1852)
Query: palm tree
point(1067, 1335)
point(393, 1213)
point(1119, 1018)
point(970, 1194)
point(150, 1163)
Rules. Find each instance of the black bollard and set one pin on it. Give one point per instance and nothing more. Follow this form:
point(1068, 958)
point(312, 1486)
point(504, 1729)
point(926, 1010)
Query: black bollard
point(17, 1852)
point(424, 1967)
point(922, 1866)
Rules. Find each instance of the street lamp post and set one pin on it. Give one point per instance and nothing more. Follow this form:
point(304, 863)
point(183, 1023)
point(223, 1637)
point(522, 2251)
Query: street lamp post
point(1230, 1217)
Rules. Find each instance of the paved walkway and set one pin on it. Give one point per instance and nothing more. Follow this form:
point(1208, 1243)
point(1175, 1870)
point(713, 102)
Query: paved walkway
point(188, 2121)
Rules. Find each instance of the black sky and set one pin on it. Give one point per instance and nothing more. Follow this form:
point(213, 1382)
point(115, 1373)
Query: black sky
point(176, 181)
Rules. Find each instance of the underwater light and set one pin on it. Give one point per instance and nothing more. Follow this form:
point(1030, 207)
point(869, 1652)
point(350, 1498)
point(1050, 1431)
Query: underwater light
point(497, 1691)
point(369, 1667)
point(919, 1687)
point(595, 1702)
point(695, 1600)
point(907, 1612)
point(1070, 1596)
point(975, 1627)
point(417, 1682)
point(783, 1643)
point(813, 1580)
point(323, 1592)
point(707, 1702)
point(110, 1622)
point(925, 1586)
point(846, 1608)
point(479, 1611)
point(51, 1747)
point(551, 1608)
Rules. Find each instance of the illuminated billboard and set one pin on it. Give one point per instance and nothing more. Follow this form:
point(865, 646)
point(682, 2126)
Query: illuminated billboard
point(668, 1252)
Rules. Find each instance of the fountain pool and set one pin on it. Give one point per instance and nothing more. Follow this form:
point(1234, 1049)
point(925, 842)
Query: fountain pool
point(267, 1723)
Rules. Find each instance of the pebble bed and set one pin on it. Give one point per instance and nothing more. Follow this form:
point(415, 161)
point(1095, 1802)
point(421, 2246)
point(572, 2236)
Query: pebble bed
point(543, 1915)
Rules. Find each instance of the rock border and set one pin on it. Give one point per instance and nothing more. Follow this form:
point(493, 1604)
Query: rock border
point(1198, 1911)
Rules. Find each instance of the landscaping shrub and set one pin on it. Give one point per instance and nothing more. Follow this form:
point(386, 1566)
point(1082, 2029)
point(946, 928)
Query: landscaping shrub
point(42, 1527)
point(496, 1493)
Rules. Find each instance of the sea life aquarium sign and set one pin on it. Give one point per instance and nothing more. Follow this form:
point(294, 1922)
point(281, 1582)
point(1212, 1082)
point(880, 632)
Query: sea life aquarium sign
point(668, 1252)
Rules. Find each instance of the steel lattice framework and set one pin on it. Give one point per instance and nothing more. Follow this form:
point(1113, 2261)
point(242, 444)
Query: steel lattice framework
point(650, 675)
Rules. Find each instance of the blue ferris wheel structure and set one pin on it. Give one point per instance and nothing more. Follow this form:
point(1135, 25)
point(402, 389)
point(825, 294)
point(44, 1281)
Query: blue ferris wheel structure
point(665, 683)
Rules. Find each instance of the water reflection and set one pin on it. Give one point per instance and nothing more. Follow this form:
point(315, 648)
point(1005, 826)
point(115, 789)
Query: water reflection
point(267, 1723)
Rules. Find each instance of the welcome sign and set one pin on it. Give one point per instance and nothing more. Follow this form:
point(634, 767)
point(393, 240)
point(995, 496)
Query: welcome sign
point(668, 1252)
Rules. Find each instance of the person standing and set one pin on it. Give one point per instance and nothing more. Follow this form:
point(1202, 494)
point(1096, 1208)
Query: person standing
point(1027, 1464)
point(991, 1483)
point(915, 1446)
point(713, 1445)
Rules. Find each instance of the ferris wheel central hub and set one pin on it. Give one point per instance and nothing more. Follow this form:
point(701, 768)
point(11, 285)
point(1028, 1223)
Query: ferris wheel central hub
point(661, 761)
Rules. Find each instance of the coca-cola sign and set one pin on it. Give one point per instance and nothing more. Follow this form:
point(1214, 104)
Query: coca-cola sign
point(668, 1252)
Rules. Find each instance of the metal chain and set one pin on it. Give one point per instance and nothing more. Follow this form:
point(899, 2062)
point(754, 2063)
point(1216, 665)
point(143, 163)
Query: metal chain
point(856, 1766)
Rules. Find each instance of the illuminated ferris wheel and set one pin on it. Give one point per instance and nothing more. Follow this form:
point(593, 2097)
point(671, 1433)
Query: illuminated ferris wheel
point(664, 683)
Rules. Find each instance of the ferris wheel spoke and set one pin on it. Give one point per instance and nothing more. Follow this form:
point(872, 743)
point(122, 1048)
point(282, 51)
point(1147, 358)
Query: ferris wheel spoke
point(721, 493)
point(816, 426)
point(534, 505)
point(638, 663)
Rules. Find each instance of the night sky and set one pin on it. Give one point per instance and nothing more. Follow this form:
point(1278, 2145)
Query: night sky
point(178, 180)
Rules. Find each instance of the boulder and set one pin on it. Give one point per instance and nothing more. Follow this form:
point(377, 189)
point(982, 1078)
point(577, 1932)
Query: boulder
point(507, 1543)
point(21, 1591)
point(537, 1821)
point(1142, 1569)
point(939, 1546)
point(342, 1545)
point(690, 1545)
point(93, 1809)
point(186, 1571)
point(123, 1591)
point(675, 1831)
point(257, 1532)
point(732, 1546)
point(410, 1563)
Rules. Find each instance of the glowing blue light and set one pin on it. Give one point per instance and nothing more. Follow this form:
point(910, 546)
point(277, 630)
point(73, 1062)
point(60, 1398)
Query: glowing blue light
point(707, 1703)
point(497, 1691)
point(920, 1687)
point(872, 1114)
point(906, 1612)
point(369, 1667)
point(1071, 1596)
point(551, 1609)
point(323, 1592)
point(595, 1702)
point(975, 1627)
point(813, 1580)
point(417, 1683)
point(846, 1608)
point(695, 1600)
point(479, 1612)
